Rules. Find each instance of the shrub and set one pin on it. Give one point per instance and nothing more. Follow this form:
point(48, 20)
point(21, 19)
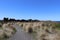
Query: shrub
point(5, 36)
point(14, 29)
point(30, 30)
point(21, 25)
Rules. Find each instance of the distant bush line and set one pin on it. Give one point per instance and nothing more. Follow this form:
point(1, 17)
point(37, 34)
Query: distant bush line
point(14, 20)
point(5, 20)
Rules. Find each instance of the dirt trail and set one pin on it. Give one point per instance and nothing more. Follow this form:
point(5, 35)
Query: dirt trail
point(20, 35)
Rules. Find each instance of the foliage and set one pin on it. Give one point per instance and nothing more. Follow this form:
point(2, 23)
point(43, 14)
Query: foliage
point(14, 29)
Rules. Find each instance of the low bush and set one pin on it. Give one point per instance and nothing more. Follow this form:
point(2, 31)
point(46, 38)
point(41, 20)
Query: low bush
point(21, 25)
point(5, 36)
point(30, 30)
point(14, 29)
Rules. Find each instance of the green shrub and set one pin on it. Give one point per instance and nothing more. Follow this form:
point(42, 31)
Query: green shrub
point(14, 29)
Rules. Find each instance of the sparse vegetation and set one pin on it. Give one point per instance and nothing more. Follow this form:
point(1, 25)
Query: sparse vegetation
point(57, 26)
point(37, 29)
point(6, 32)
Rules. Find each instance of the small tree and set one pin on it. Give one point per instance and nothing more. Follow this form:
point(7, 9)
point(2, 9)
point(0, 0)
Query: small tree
point(5, 19)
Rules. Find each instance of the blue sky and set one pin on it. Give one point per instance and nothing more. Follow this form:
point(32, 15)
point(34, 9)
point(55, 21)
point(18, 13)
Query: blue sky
point(30, 9)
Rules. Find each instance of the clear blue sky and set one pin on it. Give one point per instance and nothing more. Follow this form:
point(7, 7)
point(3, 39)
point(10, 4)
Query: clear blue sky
point(30, 9)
